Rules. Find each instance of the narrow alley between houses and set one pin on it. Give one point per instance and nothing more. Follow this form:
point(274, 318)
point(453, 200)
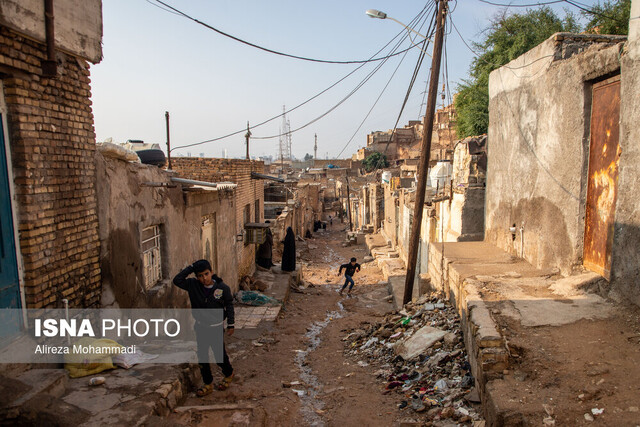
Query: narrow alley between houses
point(316, 364)
point(180, 182)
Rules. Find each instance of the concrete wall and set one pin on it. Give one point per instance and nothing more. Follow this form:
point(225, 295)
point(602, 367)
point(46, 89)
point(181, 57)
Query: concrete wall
point(77, 24)
point(539, 111)
point(309, 207)
point(371, 207)
point(626, 251)
point(389, 221)
point(51, 144)
point(126, 206)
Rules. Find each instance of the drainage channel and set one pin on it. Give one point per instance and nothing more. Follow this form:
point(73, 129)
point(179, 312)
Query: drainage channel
point(309, 394)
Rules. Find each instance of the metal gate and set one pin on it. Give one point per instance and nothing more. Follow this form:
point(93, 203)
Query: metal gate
point(602, 189)
point(10, 320)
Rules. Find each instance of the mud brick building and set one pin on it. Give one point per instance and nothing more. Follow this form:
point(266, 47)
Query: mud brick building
point(564, 173)
point(152, 227)
point(47, 146)
point(249, 201)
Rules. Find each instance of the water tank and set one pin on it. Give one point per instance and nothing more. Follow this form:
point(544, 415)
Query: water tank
point(439, 175)
point(386, 177)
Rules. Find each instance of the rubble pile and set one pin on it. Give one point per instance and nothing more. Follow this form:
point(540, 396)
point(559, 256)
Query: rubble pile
point(420, 354)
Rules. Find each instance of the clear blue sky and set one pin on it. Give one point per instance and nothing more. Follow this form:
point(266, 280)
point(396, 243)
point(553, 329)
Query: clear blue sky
point(155, 61)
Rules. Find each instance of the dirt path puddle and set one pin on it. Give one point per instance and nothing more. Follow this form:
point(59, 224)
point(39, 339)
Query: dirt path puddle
point(308, 394)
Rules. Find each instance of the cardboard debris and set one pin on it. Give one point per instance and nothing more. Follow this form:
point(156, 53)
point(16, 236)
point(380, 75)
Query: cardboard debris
point(419, 342)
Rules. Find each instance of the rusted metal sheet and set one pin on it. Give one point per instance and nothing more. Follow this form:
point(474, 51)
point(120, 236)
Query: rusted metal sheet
point(602, 188)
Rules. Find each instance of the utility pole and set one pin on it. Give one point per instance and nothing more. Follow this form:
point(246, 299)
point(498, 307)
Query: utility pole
point(348, 200)
point(247, 135)
point(166, 116)
point(425, 152)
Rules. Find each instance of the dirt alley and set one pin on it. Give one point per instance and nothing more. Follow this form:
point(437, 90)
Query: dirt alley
point(305, 345)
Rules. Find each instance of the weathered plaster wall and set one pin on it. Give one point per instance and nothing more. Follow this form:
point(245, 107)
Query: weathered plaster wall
point(77, 24)
point(389, 220)
point(126, 206)
point(626, 249)
point(538, 146)
point(465, 215)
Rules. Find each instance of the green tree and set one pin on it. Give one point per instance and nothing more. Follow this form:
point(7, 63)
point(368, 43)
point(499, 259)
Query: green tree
point(509, 35)
point(307, 157)
point(612, 17)
point(375, 161)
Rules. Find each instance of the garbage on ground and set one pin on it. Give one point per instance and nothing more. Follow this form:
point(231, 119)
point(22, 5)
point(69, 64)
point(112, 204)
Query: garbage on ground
point(418, 353)
point(255, 298)
point(299, 287)
point(291, 384)
point(97, 380)
point(129, 360)
point(94, 361)
point(248, 283)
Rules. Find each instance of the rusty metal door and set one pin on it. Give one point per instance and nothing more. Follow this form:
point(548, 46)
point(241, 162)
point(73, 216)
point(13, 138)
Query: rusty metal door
point(602, 189)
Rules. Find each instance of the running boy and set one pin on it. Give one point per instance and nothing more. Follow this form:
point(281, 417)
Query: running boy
point(349, 270)
point(208, 291)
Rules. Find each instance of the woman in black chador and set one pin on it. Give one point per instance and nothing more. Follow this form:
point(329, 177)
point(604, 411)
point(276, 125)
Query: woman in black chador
point(265, 251)
point(289, 252)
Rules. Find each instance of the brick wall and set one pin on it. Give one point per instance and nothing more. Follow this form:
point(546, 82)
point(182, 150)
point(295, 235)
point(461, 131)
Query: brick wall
point(248, 191)
point(341, 163)
point(52, 142)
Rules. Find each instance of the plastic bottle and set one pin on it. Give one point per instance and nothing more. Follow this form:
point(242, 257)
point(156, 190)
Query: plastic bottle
point(97, 381)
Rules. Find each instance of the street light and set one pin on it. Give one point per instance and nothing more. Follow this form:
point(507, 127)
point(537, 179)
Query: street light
point(373, 13)
point(376, 14)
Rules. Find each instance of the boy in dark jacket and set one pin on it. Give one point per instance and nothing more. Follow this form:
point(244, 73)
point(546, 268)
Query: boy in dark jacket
point(349, 271)
point(208, 291)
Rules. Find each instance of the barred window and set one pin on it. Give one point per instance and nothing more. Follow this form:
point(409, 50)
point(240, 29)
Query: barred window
point(151, 256)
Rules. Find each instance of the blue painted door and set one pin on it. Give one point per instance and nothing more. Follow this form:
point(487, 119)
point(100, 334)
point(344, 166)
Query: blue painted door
point(10, 320)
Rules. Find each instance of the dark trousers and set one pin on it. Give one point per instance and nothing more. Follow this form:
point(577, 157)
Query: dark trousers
point(206, 339)
point(348, 279)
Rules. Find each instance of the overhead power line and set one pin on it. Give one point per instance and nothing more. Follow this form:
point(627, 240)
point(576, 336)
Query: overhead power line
point(303, 58)
point(543, 3)
point(357, 88)
point(424, 43)
point(402, 33)
point(372, 107)
point(479, 56)
point(585, 8)
point(416, 71)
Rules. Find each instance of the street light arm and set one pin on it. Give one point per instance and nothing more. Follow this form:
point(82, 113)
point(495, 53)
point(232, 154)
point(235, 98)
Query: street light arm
point(407, 27)
point(373, 13)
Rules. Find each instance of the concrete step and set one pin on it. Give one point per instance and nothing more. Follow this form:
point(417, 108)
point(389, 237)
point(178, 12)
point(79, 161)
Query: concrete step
point(37, 383)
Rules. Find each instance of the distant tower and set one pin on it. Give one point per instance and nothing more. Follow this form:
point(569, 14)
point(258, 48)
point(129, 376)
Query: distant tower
point(315, 147)
point(289, 139)
point(285, 137)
